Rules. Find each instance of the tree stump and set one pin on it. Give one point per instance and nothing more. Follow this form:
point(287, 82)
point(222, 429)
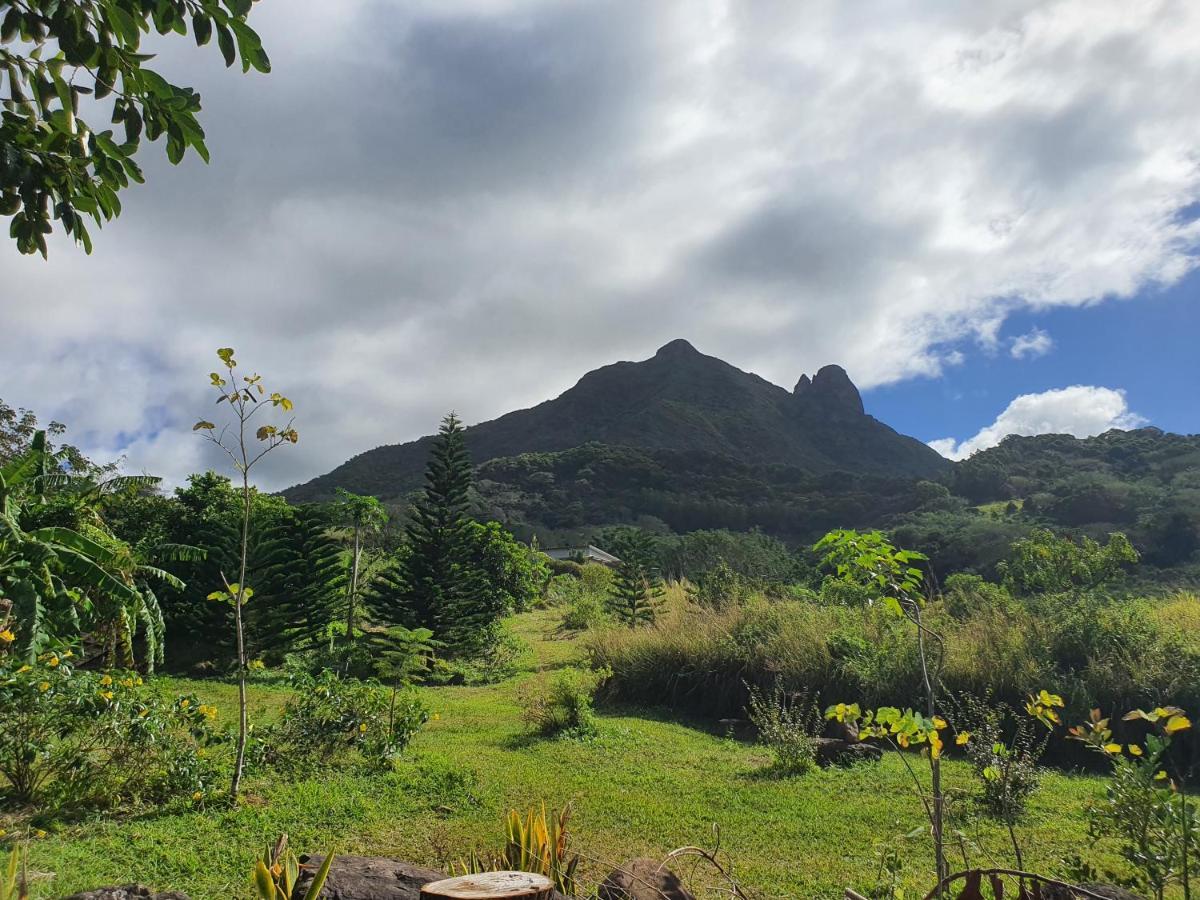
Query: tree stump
point(491, 886)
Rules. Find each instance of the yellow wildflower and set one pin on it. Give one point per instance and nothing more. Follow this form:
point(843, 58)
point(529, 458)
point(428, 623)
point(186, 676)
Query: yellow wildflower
point(53, 661)
point(39, 833)
point(106, 680)
point(107, 695)
point(185, 703)
point(137, 681)
point(199, 795)
point(68, 654)
point(962, 738)
point(24, 669)
point(7, 636)
point(44, 686)
point(362, 728)
point(939, 722)
point(127, 682)
point(437, 716)
point(1135, 750)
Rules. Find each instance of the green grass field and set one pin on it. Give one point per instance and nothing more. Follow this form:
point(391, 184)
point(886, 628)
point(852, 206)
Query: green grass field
point(646, 786)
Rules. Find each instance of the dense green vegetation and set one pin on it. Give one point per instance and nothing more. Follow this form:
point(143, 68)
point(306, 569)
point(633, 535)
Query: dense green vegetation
point(645, 785)
point(425, 664)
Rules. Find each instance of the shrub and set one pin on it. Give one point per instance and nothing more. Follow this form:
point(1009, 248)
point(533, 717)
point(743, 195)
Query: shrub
point(329, 717)
point(787, 726)
point(562, 705)
point(964, 594)
point(74, 738)
point(719, 587)
point(585, 611)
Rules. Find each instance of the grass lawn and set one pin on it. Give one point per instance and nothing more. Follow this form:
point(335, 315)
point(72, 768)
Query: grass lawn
point(646, 786)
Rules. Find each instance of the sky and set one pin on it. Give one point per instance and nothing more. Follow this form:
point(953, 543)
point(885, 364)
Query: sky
point(987, 212)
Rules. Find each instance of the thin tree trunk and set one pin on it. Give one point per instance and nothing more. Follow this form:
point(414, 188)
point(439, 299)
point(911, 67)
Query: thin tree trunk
point(243, 723)
point(935, 766)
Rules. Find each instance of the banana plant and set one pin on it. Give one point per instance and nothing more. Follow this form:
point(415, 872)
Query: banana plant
point(66, 582)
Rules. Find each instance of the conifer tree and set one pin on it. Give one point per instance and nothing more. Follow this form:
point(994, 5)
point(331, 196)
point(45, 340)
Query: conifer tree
point(434, 572)
point(301, 580)
point(637, 589)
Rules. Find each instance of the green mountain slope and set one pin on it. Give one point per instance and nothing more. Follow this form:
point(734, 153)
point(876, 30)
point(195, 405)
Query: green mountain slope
point(679, 401)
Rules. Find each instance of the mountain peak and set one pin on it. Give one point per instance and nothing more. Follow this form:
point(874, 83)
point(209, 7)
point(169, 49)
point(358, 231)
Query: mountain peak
point(677, 348)
point(831, 389)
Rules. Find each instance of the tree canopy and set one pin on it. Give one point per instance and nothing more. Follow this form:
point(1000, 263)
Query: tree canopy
point(64, 60)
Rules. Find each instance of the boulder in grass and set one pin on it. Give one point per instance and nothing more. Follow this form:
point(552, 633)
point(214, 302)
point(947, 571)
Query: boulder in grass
point(643, 879)
point(366, 878)
point(832, 752)
point(127, 892)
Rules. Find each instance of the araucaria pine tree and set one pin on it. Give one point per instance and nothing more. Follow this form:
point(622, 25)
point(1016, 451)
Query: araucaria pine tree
point(637, 588)
point(435, 573)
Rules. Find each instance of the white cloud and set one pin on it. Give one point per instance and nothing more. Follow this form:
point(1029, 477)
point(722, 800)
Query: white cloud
point(1032, 345)
point(1081, 410)
point(488, 197)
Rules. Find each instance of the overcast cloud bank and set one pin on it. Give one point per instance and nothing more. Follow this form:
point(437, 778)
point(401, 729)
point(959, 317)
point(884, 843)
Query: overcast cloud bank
point(467, 203)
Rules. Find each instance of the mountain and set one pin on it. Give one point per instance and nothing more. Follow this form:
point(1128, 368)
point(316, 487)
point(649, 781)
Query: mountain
point(678, 402)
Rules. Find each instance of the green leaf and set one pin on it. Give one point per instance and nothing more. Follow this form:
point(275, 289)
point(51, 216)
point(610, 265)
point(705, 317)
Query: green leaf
point(318, 882)
point(201, 29)
point(225, 43)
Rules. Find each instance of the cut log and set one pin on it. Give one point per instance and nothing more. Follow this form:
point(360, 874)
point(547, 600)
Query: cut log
point(491, 886)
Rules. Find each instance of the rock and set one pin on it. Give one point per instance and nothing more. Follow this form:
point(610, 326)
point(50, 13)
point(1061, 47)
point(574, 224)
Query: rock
point(833, 752)
point(367, 878)
point(841, 731)
point(830, 391)
point(643, 879)
point(127, 892)
point(370, 878)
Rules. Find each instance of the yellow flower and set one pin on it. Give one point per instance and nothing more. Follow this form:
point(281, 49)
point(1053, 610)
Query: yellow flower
point(962, 738)
point(106, 680)
point(1112, 748)
point(127, 682)
point(939, 722)
point(1135, 750)
point(185, 703)
point(7, 636)
point(39, 833)
point(54, 661)
point(68, 654)
point(362, 728)
point(199, 795)
point(24, 669)
point(137, 681)
point(44, 686)
point(437, 716)
point(107, 695)
point(209, 712)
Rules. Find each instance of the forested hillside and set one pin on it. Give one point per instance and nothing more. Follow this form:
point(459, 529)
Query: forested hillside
point(678, 401)
point(684, 441)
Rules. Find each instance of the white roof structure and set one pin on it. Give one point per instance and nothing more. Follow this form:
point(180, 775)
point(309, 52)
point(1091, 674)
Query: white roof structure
point(590, 553)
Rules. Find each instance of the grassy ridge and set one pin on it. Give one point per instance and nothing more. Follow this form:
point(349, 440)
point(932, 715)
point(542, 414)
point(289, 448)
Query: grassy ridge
point(647, 785)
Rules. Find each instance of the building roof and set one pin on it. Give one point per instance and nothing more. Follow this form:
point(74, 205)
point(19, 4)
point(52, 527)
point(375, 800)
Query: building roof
point(590, 553)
